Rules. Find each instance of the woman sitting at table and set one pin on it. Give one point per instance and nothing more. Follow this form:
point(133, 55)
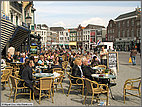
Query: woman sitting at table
point(77, 70)
point(41, 61)
point(9, 59)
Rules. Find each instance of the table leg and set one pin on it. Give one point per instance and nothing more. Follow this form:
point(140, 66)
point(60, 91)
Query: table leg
point(111, 94)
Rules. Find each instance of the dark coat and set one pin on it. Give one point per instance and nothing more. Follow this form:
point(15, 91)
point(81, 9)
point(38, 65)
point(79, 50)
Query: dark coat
point(27, 76)
point(87, 71)
point(76, 73)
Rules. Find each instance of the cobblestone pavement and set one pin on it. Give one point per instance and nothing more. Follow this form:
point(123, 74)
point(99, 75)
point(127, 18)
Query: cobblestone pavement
point(126, 71)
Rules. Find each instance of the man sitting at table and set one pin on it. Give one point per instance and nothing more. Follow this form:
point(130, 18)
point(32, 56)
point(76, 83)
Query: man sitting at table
point(87, 70)
point(77, 70)
point(41, 61)
point(27, 74)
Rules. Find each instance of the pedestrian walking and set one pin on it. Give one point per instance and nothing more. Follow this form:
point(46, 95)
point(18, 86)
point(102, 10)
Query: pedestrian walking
point(133, 55)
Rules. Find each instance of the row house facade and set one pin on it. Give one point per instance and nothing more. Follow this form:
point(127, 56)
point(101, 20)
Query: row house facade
point(91, 33)
point(124, 31)
point(13, 16)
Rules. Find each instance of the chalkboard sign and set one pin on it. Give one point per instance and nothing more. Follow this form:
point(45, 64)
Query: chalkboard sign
point(112, 60)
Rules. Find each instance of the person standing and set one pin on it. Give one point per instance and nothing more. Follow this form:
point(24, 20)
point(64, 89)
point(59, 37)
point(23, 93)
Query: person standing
point(103, 56)
point(133, 55)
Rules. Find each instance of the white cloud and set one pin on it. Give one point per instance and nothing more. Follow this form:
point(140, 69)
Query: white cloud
point(95, 21)
point(60, 24)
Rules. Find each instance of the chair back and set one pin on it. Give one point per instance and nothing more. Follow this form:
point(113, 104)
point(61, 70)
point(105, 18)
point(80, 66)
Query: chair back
point(65, 64)
point(13, 81)
point(9, 68)
point(69, 76)
point(89, 85)
point(6, 74)
point(57, 69)
point(46, 83)
point(8, 64)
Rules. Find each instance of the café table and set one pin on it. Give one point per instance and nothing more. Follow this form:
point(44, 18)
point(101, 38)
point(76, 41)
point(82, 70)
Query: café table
point(107, 77)
point(42, 68)
point(40, 75)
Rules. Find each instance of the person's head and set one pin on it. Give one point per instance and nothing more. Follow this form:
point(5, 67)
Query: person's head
point(24, 55)
point(84, 61)
point(78, 61)
point(95, 58)
point(30, 63)
point(41, 57)
point(103, 47)
point(109, 47)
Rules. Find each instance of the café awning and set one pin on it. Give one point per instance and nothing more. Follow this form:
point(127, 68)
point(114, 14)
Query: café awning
point(7, 30)
point(72, 43)
point(19, 36)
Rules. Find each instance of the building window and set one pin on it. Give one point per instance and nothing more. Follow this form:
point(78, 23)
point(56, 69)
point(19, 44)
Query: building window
point(123, 33)
point(132, 22)
point(118, 34)
point(127, 23)
point(16, 20)
point(123, 23)
point(119, 24)
point(111, 25)
point(132, 32)
point(128, 33)
point(138, 32)
point(11, 18)
point(138, 23)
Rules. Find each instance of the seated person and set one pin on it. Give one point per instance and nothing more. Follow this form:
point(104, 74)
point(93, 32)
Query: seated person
point(23, 66)
point(77, 70)
point(87, 70)
point(22, 59)
point(9, 58)
point(27, 74)
point(56, 65)
point(95, 62)
point(41, 60)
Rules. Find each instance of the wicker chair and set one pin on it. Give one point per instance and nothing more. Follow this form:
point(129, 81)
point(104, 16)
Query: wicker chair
point(45, 84)
point(5, 77)
point(98, 90)
point(15, 82)
point(133, 85)
point(75, 84)
point(58, 80)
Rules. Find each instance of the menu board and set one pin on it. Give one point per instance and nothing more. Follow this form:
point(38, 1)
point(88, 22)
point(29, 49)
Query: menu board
point(112, 60)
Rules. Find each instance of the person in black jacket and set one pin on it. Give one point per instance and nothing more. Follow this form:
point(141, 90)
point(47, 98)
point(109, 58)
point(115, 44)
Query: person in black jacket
point(27, 74)
point(87, 70)
point(77, 70)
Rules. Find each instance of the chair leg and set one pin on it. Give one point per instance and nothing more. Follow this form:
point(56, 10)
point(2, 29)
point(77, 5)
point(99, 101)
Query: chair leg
point(62, 87)
point(107, 100)
point(33, 96)
point(52, 97)
point(15, 95)
point(30, 94)
point(39, 96)
point(82, 91)
point(85, 97)
point(49, 94)
point(69, 90)
point(9, 85)
point(53, 89)
point(10, 94)
point(92, 98)
point(124, 94)
point(139, 93)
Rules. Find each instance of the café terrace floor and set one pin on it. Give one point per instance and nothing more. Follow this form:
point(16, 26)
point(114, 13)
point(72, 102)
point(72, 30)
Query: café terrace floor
point(75, 98)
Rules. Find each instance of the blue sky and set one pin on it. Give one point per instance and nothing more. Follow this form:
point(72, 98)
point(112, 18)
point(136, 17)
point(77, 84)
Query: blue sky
point(72, 13)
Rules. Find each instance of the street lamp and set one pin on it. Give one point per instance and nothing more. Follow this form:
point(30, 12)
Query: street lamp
point(28, 21)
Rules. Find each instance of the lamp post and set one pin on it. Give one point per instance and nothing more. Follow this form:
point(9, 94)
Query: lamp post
point(28, 21)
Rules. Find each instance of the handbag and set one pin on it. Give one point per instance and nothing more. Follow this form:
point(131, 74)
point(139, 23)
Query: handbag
point(130, 60)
